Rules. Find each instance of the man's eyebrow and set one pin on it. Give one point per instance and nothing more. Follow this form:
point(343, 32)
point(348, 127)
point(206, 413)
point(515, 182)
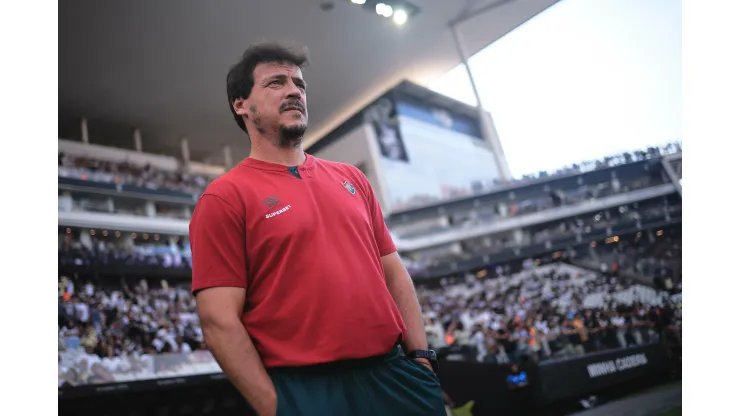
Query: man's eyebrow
point(276, 77)
point(283, 77)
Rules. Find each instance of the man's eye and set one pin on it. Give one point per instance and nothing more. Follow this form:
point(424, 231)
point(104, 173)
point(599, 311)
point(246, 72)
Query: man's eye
point(276, 82)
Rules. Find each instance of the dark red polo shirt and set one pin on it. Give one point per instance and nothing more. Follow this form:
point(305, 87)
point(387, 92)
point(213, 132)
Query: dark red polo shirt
point(305, 242)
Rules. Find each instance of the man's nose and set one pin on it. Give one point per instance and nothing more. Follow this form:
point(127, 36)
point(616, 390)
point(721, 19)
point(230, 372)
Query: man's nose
point(294, 91)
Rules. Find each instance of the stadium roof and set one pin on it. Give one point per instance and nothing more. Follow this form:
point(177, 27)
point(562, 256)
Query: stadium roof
point(161, 65)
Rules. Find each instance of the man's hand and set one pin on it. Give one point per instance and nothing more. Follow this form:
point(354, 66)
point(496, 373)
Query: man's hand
point(425, 362)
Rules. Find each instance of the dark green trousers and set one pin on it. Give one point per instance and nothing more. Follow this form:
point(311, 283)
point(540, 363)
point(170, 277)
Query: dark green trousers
point(386, 385)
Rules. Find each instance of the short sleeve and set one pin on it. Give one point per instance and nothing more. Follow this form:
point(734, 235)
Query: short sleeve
point(218, 245)
point(382, 235)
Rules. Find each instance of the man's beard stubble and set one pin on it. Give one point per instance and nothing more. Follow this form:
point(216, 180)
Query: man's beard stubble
point(288, 136)
point(291, 136)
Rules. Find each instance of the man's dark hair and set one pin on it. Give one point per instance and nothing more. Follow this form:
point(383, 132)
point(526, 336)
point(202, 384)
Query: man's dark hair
point(240, 79)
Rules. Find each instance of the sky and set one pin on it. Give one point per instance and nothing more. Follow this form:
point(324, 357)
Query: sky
point(582, 80)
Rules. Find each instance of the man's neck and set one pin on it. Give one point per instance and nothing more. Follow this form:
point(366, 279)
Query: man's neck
point(266, 151)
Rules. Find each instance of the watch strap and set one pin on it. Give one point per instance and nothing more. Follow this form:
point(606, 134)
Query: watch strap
point(426, 354)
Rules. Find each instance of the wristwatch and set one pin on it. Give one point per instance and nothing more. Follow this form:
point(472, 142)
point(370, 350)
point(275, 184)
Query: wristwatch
point(427, 354)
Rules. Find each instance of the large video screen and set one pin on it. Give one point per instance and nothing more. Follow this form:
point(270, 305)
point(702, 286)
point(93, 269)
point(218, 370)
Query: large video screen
point(429, 155)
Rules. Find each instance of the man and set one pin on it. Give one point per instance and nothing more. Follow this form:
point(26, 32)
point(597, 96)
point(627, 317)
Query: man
point(302, 296)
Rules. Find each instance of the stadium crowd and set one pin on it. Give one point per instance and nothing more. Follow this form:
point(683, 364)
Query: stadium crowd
point(126, 332)
point(552, 311)
point(657, 258)
point(613, 160)
point(150, 329)
point(125, 173)
point(77, 248)
point(591, 225)
point(82, 250)
point(119, 330)
point(554, 199)
point(481, 187)
point(151, 178)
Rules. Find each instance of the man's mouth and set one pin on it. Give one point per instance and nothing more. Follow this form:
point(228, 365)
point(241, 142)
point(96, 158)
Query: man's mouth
point(293, 107)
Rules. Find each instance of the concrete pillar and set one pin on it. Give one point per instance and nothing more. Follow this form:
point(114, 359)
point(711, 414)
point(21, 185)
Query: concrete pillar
point(503, 210)
point(137, 140)
point(518, 236)
point(84, 132)
point(150, 209)
point(65, 202)
point(185, 148)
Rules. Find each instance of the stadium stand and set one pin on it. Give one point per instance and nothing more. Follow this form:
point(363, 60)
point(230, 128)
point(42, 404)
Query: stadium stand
point(111, 249)
point(546, 294)
point(658, 262)
point(576, 289)
point(146, 176)
point(548, 312)
point(125, 173)
point(112, 334)
point(557, 234)
point(480, 188)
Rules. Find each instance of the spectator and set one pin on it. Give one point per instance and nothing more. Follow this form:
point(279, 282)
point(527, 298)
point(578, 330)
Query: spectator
point(479, 187)
point(125, 173)
point(496, 354)
point(542, 312)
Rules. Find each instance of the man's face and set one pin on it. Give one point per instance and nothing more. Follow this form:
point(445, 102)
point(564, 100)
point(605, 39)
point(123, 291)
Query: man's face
point(277, 103)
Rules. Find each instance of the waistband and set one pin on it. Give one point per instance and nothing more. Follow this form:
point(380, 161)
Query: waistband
point(340, 365)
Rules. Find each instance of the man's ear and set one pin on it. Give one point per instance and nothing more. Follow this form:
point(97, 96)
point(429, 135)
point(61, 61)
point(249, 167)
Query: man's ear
point(241, 107)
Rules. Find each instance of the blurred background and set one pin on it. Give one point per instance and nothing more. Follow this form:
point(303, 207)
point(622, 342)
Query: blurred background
point(526, 155)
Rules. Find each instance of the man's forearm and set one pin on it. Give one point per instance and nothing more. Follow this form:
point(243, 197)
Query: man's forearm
point(238, 358)
point(402, 289)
